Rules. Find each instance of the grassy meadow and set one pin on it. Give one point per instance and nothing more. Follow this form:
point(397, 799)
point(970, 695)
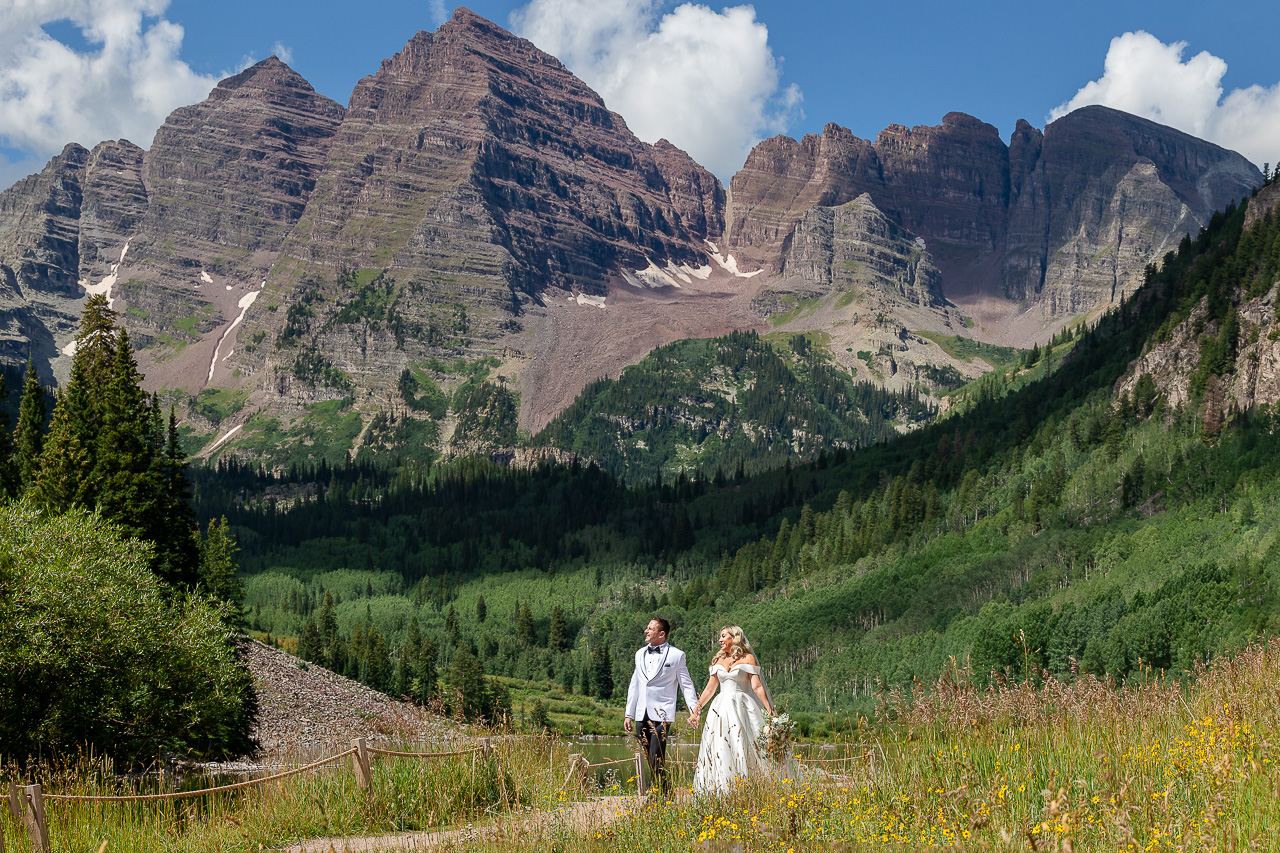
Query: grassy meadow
point(1150, 765)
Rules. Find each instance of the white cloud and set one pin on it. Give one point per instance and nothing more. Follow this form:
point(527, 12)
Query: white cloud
point(438, 11)
point(124, 86)
point(706, 81)
point(1145, 77)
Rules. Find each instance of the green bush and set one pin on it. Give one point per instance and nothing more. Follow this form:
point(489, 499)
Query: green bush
point(95, 651)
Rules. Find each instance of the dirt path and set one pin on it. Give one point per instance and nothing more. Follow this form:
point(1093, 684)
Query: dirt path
point(579, 817)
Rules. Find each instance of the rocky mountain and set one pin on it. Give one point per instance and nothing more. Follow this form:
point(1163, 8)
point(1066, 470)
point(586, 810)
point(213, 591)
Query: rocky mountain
point(1063, 220)
point(455, 255)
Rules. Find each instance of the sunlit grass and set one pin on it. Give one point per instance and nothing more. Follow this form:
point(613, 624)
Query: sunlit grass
point(521, 774)
point(1047, 765)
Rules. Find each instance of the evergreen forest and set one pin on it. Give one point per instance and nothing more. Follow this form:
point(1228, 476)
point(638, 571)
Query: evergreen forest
point(1050, 524)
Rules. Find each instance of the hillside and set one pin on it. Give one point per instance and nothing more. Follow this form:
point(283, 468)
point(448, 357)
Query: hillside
point(1083, 517)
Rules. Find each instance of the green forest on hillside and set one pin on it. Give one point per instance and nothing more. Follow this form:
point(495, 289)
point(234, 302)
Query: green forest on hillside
point(734, 403)
point(1046, 525)
point(1050, 526)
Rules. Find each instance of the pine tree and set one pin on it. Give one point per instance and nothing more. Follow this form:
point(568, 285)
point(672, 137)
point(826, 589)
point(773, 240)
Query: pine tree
point(525, 630)
point(466, 680)
point(329, 621)
point(481, 609)
point(8, 468)
point(28, 438)
point(557, 639)
point(309, 648)
point(62, 480)
point(427, 674)
point(106, 450)
point(218, 573)
point(173, 526)
point(603, 674)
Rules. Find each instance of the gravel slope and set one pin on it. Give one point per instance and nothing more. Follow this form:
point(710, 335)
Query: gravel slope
point(304, 708)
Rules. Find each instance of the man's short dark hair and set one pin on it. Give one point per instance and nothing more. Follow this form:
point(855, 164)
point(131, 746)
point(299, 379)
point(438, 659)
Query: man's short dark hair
point(664, 624)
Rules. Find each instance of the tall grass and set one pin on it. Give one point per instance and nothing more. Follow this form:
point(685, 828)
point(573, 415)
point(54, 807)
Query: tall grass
point(520, 774)
point(1149, 765)
point(1086, 765)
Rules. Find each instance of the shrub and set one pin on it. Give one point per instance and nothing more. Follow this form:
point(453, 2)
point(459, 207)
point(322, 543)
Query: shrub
point(96, 651)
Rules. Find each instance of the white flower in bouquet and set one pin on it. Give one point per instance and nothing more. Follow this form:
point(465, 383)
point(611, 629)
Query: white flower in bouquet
point(776, 734)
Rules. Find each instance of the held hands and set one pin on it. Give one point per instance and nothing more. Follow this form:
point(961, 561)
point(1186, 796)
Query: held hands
point(628, 725)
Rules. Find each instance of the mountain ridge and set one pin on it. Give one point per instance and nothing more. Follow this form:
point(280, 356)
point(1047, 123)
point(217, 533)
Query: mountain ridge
point(506, 215)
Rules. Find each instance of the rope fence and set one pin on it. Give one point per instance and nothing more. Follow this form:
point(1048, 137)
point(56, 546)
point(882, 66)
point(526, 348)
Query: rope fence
point(26, 803)
point(136, 798)
point(392, 753)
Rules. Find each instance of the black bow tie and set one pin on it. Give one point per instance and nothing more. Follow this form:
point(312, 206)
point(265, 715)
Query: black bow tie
point(653, 650)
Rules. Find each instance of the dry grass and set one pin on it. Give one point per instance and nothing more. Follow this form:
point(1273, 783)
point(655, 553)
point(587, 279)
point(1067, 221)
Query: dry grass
point(522, 774)
point(1150, 765)
point(1081, 766)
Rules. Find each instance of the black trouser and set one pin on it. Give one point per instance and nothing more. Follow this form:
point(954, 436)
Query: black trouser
point(653, 740)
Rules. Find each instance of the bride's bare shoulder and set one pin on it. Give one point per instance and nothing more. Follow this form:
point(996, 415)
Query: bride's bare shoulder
point(748, 659)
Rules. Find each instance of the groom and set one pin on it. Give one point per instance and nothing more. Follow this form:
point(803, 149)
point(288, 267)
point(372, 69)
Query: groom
point(651, 697)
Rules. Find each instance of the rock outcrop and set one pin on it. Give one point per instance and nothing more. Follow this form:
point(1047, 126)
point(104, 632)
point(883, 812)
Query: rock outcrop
point(40, 258)
point(1066, 219)
point(855, 247)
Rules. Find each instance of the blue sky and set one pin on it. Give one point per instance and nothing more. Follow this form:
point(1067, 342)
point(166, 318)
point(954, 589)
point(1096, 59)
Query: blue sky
point(712, 79)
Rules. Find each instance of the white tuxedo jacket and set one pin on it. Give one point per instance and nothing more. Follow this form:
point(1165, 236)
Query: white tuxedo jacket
point(652, 691)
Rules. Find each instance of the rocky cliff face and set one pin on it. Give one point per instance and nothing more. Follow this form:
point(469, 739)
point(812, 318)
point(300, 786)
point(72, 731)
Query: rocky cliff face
point(39, 258)
point(220, 188)
point(471, 175)
point(478, 208)
point(471, 139)
point(1065, 219)
point(855, 247)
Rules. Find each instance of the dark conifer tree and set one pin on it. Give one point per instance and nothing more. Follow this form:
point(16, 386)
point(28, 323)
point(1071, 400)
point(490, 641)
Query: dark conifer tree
point(451, 624)
point(106, 450)
point(427, 676)
point(62, 478)
point(525, 630)
point(481, 609)
point(557, 639)
point(219, 574)
point(8, 468)
point(467, 682)
point(309, 647)
point(28, 437)
point(603, 674)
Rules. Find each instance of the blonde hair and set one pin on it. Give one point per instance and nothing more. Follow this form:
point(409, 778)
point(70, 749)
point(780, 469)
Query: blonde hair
point(740, 648)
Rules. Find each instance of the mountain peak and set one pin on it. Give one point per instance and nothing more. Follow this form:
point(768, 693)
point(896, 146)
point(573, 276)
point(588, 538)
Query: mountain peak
point(270, 73)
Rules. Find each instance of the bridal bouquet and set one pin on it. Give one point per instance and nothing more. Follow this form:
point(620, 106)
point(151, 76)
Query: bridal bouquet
point(774, 739)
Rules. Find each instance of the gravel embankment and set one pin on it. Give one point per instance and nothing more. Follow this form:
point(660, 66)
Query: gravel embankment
point(306, 709)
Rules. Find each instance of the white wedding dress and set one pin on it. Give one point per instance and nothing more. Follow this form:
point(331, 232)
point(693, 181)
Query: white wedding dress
point(733, 719)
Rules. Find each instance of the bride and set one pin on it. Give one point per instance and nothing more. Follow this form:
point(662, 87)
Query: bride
point(728, 752)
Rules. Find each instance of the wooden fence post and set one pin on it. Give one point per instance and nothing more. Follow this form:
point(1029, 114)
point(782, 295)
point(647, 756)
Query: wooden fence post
point(360, 761)
point(641, 787)
point(485, 749)
point(578, 769)
point(33, 816)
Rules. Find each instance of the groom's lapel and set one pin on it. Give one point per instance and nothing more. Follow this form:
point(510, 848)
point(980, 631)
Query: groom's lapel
point(662, 663)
